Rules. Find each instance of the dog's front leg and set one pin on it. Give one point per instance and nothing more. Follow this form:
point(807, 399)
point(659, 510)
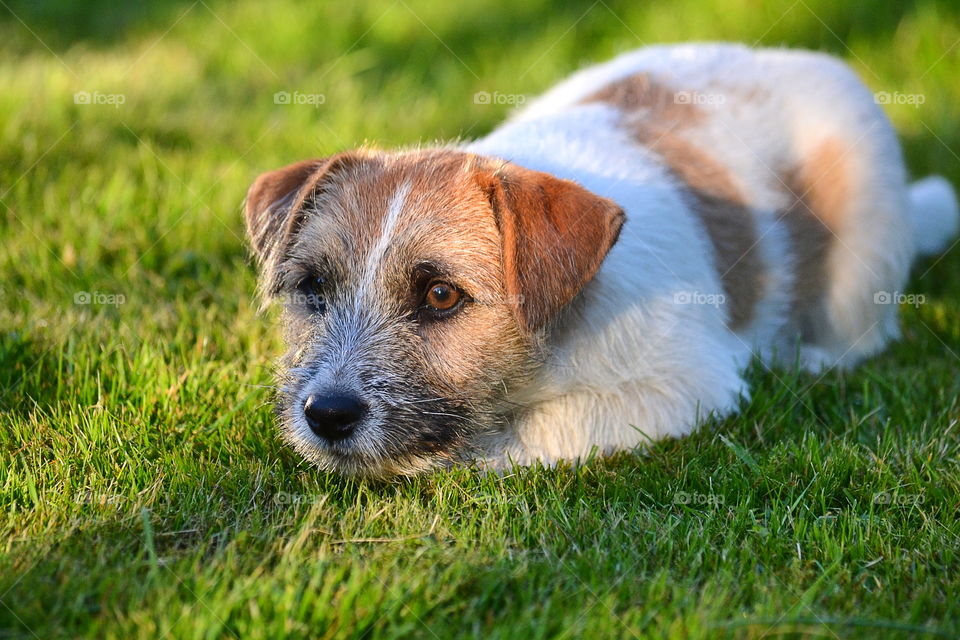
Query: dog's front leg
point(576, 425)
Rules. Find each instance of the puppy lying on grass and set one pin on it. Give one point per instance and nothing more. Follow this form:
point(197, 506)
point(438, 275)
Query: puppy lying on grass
point(595, 273)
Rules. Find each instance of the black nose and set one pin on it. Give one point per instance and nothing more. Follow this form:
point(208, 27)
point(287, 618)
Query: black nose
point(333, 416)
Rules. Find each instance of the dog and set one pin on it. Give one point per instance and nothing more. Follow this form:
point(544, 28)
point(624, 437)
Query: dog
point(596, 273)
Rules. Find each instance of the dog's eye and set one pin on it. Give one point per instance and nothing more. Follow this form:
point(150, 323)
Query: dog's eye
point(310, 292)
point(442, 297)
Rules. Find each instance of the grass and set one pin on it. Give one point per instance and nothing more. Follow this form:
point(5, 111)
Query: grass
point(144, 490)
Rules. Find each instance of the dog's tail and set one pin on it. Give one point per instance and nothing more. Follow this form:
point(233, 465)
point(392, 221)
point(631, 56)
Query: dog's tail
point(933, 213)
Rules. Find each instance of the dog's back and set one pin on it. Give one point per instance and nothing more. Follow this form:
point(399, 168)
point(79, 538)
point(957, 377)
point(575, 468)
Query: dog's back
point(785, 175)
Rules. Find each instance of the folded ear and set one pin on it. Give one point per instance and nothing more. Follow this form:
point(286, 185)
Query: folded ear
point(555, 235)
point(276, 198)
point(269, 203)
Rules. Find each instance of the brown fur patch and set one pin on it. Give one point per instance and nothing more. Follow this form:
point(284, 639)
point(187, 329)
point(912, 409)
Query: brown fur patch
point(826, 176)
point(555, 236)
point(658, 120)
point(818, 194)
point(641, 97)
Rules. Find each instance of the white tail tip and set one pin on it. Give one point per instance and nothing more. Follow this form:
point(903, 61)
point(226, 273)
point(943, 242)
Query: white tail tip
point(934, 214)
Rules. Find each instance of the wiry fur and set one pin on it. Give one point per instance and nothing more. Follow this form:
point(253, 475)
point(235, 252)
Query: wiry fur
point(764, 219)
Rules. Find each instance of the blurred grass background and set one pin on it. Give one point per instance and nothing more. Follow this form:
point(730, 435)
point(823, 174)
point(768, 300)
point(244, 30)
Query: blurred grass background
point(144, 490)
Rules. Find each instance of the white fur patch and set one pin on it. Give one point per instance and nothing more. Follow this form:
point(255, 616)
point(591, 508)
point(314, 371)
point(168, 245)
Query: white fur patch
point(387, 228)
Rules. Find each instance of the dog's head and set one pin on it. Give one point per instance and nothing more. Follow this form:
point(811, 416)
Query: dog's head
point(417, 287)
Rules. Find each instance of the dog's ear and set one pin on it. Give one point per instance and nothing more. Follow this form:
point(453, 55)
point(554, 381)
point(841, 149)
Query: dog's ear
point(276, 199)
point(269, 204)
point(555, 235)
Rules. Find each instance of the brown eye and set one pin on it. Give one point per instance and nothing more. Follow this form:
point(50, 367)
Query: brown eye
point(442, 296)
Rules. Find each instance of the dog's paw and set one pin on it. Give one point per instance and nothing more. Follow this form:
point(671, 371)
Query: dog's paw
point(816, 359)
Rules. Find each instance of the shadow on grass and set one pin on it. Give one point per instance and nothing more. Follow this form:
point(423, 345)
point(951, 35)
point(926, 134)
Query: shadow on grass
point(64, 23)
point(61, 24)
point(28, 373)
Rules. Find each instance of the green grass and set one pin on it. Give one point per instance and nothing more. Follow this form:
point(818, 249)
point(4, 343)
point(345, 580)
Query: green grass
point(144, 490)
